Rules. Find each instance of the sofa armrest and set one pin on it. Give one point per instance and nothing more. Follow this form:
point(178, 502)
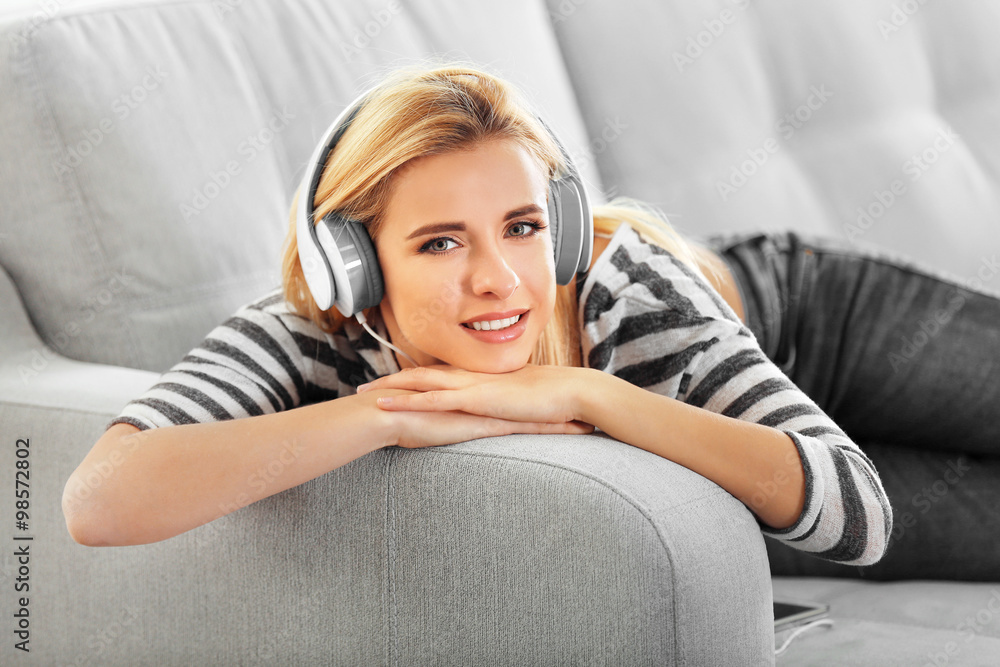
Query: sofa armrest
point(34, 374)
point(528, 550)
point(570, 550)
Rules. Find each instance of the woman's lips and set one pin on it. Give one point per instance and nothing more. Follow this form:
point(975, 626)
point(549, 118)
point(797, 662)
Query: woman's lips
point(497, 327)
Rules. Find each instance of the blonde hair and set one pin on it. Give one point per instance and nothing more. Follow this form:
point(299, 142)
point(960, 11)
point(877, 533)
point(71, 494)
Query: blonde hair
point(424, 111)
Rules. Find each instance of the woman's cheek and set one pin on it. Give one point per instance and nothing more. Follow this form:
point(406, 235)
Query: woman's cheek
point(418, 325)
point(430, 303)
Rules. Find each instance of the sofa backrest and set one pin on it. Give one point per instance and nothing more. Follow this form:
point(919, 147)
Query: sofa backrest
point(869, 120)
point(151, 149)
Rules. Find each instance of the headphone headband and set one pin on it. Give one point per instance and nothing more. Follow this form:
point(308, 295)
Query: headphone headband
point(339, 260)
point(316, 265)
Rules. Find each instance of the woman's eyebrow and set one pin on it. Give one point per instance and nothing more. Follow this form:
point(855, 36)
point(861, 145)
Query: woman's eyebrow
point(524, 210)
point(438, 227)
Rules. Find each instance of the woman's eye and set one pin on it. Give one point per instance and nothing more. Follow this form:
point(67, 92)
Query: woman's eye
point(524, 228)
point(438, 245)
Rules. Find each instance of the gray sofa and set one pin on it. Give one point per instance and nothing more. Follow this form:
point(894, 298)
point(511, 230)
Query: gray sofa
point(150, 151)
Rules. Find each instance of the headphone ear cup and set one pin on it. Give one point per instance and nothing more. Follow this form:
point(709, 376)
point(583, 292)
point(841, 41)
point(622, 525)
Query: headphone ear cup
point(568, 229)
point(357, 277)
point(369, 272)
point(555, 223)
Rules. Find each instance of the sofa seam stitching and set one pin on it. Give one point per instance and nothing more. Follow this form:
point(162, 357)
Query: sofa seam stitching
point(391, 639)
point(253, 74)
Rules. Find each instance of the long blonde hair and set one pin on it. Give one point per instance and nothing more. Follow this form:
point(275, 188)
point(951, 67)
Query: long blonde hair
point(424, 111)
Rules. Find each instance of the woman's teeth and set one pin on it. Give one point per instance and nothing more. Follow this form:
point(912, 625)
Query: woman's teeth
point(493, 325)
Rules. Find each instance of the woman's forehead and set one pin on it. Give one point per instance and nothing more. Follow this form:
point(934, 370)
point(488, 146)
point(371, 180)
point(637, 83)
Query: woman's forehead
point(498, 175)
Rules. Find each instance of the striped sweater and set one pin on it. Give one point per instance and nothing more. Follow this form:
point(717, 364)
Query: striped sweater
point(645, 317)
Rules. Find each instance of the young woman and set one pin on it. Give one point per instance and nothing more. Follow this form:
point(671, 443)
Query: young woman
point(451, 176)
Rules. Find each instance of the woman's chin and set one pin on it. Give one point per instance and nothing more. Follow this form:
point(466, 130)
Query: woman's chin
point(486, 364)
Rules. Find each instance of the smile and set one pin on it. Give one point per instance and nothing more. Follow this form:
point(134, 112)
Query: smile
point(502, 327)
point(493, 325)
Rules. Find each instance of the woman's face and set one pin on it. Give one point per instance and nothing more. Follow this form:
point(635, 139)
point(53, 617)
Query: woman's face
point(467, 258)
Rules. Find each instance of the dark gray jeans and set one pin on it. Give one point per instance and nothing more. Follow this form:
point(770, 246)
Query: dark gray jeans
point(907, 362)
point(892, 351)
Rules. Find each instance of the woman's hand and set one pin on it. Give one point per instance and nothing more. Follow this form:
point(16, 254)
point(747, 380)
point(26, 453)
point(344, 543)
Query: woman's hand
point(534, 394)
point(414, 427)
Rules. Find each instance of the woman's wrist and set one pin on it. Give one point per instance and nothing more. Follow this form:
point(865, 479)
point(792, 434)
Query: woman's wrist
point(381, 428)
point(592, 395)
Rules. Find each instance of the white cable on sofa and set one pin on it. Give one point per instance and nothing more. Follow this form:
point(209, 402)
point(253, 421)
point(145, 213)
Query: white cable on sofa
point(799, 630)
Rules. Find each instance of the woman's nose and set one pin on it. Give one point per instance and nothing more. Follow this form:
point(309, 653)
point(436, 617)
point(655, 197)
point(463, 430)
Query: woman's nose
point(492, 274)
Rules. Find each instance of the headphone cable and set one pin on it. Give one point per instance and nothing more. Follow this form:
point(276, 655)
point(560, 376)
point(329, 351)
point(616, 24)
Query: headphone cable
point(364, 322)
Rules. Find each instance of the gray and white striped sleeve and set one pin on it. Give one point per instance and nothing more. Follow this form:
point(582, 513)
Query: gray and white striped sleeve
point(652, 321)
point(256, 362)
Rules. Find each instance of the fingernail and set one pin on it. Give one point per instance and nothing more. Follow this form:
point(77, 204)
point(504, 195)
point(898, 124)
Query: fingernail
point(385, 401)
point(364, 387)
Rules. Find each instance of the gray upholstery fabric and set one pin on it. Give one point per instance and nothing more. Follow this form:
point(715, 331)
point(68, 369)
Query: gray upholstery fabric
point(894, 624)
point(516, 511)
point(35, 374)
point(807, 111)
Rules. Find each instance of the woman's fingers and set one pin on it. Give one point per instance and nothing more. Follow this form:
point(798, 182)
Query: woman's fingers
point(532, 394)
point(571, 428)
point(574, 428)
point(450, 428)
point(426, 401)
point(475, 400)
point(424, 378)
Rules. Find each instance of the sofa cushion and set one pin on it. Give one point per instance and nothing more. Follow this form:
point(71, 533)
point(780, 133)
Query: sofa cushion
point(873, 121)
point(902, 624)
point(158, 147)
